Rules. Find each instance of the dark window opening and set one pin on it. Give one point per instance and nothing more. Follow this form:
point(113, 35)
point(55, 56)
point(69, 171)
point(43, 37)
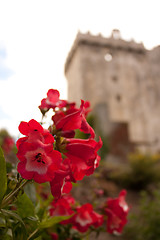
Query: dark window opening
point(115, 78)
point(118, 98)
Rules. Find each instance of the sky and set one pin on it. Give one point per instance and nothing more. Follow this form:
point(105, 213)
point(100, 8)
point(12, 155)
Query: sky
point(36, 36)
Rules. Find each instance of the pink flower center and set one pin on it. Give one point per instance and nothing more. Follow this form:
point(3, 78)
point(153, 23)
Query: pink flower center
point(39, 158)
point(83, 220)
point(37, 161)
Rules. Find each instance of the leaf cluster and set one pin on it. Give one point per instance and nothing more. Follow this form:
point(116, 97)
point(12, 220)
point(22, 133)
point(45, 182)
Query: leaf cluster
point(23, 213)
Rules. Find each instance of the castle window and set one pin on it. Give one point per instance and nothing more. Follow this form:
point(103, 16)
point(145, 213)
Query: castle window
point(114, 78)
point(118, 97)
point(108, 57)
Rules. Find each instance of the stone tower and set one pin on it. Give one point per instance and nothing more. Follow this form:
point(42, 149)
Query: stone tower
point(121, 79)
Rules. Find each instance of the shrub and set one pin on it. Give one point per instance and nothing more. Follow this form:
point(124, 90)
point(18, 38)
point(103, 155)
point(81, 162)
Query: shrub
point(146, 223)
point(141, 170)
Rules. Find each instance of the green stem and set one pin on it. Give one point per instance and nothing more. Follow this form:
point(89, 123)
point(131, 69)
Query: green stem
point(13, 193)
point(32, 234)
point(86, 236)
point(17, 185)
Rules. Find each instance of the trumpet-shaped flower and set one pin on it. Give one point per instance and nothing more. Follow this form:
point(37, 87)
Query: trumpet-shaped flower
point(38, 160)
point(83, 156)
point(52, 101)
point(73, 119)
point(117, 211)
point(85, 217)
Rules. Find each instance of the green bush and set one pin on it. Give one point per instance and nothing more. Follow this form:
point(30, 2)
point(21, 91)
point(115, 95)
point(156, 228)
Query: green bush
point(145, 225)
point(144, 170)
point(140, 171)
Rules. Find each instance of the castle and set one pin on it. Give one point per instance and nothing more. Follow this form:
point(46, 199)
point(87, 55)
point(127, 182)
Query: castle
point(121, 79)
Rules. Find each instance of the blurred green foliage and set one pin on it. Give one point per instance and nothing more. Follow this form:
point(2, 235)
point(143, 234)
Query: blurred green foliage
point(140, 171)
point(92, 120)
point(145, 224)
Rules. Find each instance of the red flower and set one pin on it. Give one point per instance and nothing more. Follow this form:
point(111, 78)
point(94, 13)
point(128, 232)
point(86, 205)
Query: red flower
point(8, 144)
point(38, 159)
point(60, 184)
point(87, 107)
point(99, 192)
point(52, 101)
point(54, 236)
point(34, 131)
point(83, 157)
point(62, 206)
point(85, 217)
point(73, 119)
point(117, 211)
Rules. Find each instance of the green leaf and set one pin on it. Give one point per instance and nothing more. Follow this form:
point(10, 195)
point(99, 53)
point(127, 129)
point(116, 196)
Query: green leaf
point(38, 238)
point(30, 190)
point(2, 222)
point(25, 207)
point(3, 175)
point(6, 237)
point(18, 227)
point(11, 214)
point(52, 221)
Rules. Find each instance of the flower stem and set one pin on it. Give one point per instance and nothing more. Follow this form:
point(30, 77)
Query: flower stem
point(17, 185)
point(32, 234)
point(13, 193)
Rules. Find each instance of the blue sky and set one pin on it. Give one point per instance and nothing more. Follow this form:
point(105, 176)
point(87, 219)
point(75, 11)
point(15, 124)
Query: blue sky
point(5, 71)
point(3, 115)
point(2, 52)
point(36, 36)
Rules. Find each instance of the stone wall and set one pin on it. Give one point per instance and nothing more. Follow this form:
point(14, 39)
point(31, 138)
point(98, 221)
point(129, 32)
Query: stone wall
point(124, 78)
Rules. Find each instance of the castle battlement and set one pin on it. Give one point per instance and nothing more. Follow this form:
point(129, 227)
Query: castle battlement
point(113, 42)
point(121, 79)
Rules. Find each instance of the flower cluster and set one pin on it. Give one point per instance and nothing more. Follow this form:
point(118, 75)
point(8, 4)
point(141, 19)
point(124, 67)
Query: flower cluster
point(116, 211)
point(56, 156)
point(53, 155)
point(82, 218)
